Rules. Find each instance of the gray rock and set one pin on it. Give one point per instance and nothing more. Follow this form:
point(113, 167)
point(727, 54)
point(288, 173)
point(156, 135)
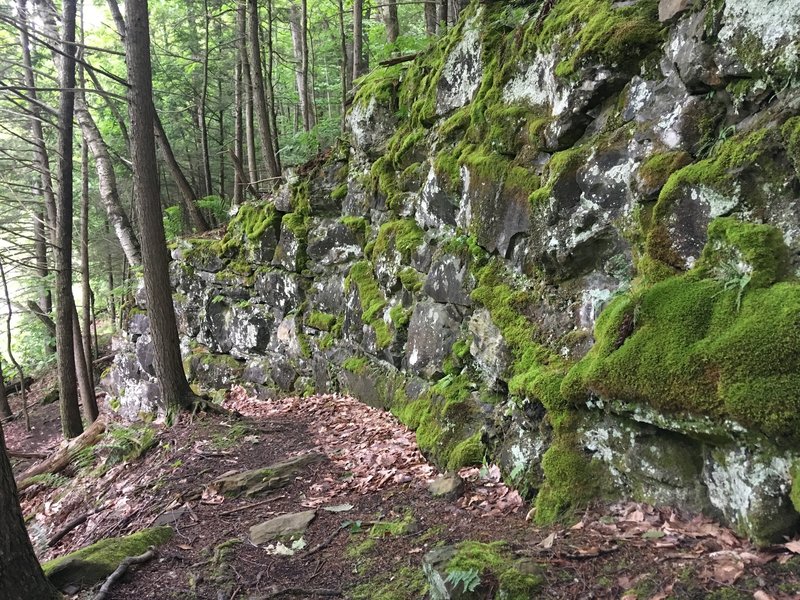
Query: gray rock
point(488, 348)
point(371, 124)
point(331, 242)
point(431, 334)
point(257, 481)
point(668, 9)
point(450, 281)
point(286, 526)
point(462, 71)
point(290, 253)
point(139, 324)
point(281, 291)
point(449, 486)
point(437, 207)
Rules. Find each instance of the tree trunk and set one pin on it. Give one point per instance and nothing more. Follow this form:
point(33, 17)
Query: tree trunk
point(298, 25)
point(65, 304)
point(238, 125)
point(345, 63)
point(175, 392)
point(40, 149)
point(247, 93)
point(441, 15)
point(43, 270)
point(358, 38)
point(430, 17)
point(86, 288)
point(187, 193)
point(273, 115)
point(83, 369)
point(21, 577)
point(392, 22)
point(5, 409)
point(271, 170)
point(107, 182)
point(201, 108)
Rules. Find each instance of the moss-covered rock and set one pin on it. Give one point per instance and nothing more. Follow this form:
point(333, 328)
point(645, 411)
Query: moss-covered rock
point(94, 563)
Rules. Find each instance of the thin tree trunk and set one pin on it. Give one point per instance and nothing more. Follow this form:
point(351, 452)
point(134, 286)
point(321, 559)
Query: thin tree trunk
point(297, 23)
point(5, 409)
point(358, 38)
point(392, 22)
point(271, 86)
point(430, 17)
point(238, 127)
point(187, 193)
point(201, 108)
point(22, 578)
point(83, 370)
point(107, 182)
point(65, 304)
point(175, 391)
point(441, 15)
point(259, 100)
point(247, 91)
point(43, 270)
point(86, 287)
point(345, 63)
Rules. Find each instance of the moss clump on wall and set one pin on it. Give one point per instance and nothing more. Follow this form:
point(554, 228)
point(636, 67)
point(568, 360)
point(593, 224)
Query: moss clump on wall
point(411, 279)
point(445, 420)
point(321, 321)
point(402, 235)
point(495, 564)
point(373, 302)
point(791, 139)
point(96, 562)
point(656, 170)
point(252, 221)
point(694, 344)
point(357, 365)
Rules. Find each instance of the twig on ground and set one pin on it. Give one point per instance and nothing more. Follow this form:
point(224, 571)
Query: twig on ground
point(325, 543)
point(122, 569)
point(67, 528)
point(261, 503)
point(306, 593)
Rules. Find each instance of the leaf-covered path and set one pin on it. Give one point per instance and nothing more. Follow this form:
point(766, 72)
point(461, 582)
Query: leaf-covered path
point(366, 517)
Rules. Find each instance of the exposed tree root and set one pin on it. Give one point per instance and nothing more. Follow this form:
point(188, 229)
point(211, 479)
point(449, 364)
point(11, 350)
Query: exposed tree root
point(121, 570)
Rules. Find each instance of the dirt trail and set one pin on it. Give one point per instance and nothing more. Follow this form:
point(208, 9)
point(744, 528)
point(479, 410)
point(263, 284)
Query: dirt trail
point(374, 517)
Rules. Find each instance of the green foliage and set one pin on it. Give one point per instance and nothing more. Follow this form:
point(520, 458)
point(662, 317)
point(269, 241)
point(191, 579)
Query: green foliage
point(321, 321)
point(50, 480)
point(126, 444)
point(356, 365)
point(403, 235)
point(494, 562)
point(468, 580)
point(373, 302)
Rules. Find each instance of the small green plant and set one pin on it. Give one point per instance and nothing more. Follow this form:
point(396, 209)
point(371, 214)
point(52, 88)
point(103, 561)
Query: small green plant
point(711, 146)
point(469, 579)
point(228, 439)
point(50, 480)
point(733, 278)
point(125, 444)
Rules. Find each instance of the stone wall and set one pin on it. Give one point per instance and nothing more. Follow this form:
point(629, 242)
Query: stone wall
point(565, 238)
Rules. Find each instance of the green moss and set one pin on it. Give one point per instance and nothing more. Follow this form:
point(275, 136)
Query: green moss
point(362, 548)
point(791, 138)
point(411, 279)
point(359, 226)
point(596, 31)
point(393, 528)
point(794, 494)
point(373, 302)
point(495, 562)
point(399, 316)
point(339, 192)
point(561, 164)
point(691, 344)
point(467, 452)
point(404, 584)
point(320, 320)
point(572, 479)
point(253, 220)
point(656, 170)
point(96, 562)
point(356, 364)
point(402, 235)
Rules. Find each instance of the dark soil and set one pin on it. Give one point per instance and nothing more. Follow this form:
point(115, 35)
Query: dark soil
point(612, 551)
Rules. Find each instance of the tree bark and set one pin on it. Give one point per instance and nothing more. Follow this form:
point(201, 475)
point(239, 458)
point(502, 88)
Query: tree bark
point(430, 17)
point(271, 170)
point(21, 577)
point(202, 106)
point(358, 38)
point(5, 408)
point(107, 183)
point(392, 22)
point(273, 114)
point(298, 23)
point(345, 63)
point(239, 178)
point(247, 91)
point(71, 425)
point(441, 15)
point(83, 369)
point(175, 392)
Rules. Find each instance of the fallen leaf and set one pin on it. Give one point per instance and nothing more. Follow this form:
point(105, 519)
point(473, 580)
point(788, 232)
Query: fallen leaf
point(547, 542)
point(793, 546)
point(762, 595)
point(338, 508)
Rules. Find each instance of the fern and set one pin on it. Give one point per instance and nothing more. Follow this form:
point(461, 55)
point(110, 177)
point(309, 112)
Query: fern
point(50, 480)
point(470, 580)
point(733, 278)
point(125, 444)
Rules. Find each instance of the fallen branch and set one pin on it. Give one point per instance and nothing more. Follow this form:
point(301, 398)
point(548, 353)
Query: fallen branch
point(396, 60)
point(306, 593)
point(325, 543)
point(36, 455)
point(66, 529)
point(121, 570)
point(14, 387)
point(63, 456)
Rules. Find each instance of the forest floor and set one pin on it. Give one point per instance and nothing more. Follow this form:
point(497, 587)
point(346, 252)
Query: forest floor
point(374, 516)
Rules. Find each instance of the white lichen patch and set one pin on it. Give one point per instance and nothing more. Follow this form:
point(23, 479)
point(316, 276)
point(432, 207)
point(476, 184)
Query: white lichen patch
point(538, 86)
point(462, 70)
point(719, 205)
point(774, 22)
